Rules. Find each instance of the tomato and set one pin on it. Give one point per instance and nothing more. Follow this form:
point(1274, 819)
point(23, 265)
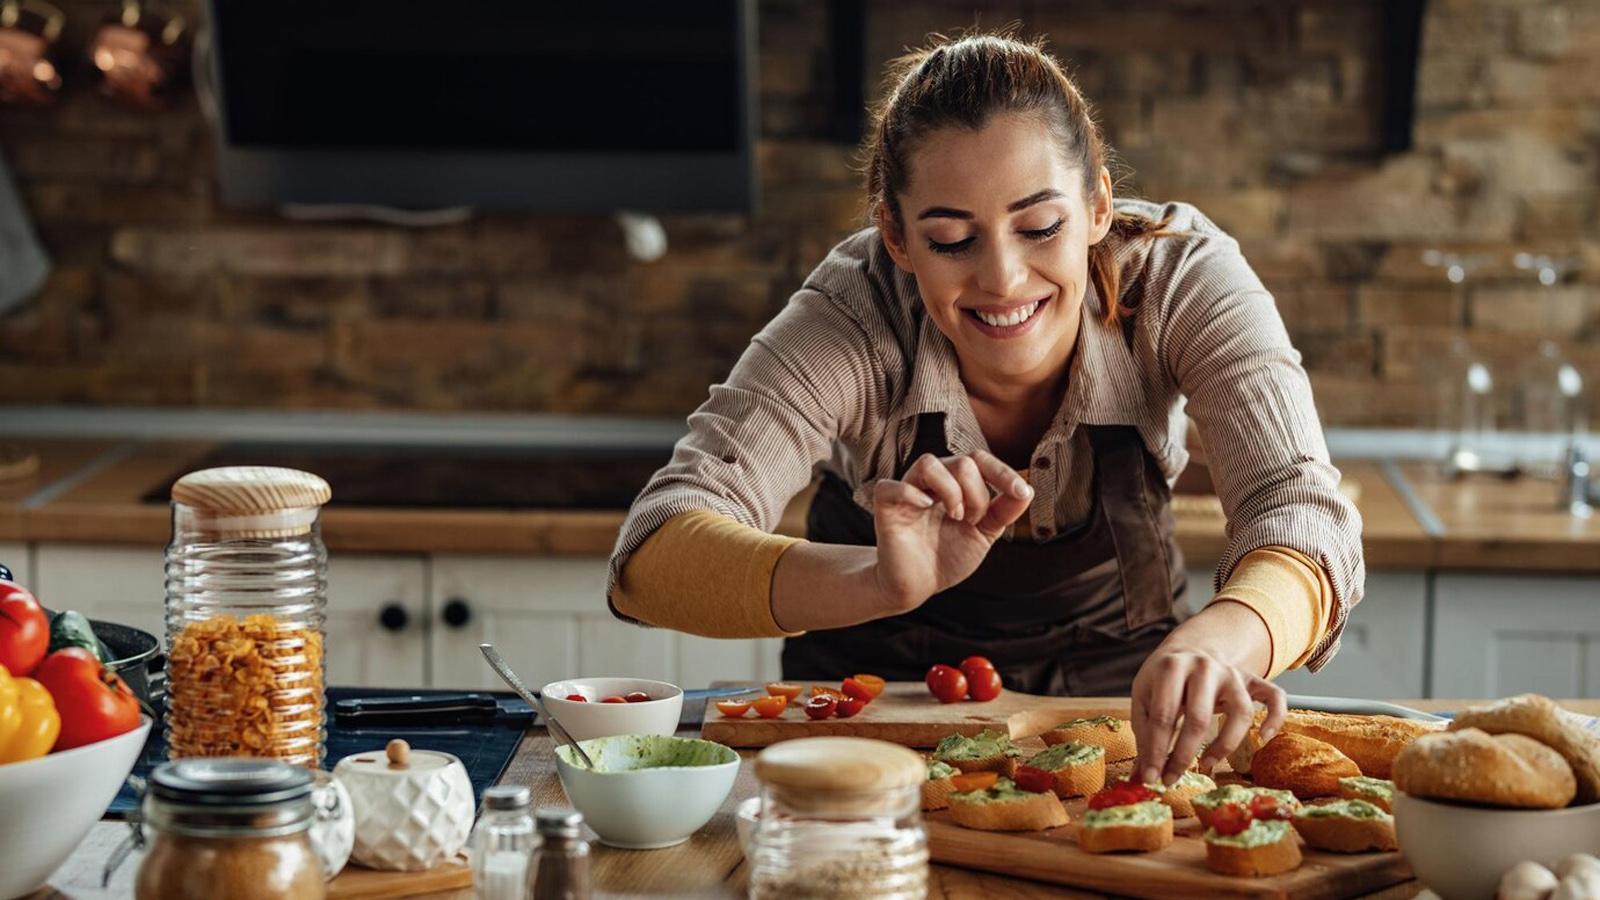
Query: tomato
point(614, 698)
point(733, 709)
point(1121, 793)
point(854, 688)
point(770, 706)
point(848, 706)
point(577, 698)
point(1263, 806)
point(831, 692)
point(983, 684)
point(974, 781)
point(946, 683)
point(636, 697)
point(872, 683)
point(1230, 818)
point(785, 689)
point(975, 664)
point(94, 704)
point(1032, 778)
point(821, 706)
point(24, 630)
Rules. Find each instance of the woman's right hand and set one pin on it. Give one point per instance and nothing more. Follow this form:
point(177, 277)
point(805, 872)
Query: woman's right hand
point(937, 523)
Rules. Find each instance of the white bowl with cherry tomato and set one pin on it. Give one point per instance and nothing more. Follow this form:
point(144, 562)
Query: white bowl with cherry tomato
point(600, 707)
point(975, 679)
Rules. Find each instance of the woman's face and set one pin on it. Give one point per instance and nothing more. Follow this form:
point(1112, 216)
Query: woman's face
point(996, 228)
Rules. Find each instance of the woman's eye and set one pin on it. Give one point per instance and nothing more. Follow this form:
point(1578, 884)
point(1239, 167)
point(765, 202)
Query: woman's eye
point(950, 248)
point(1040, 234)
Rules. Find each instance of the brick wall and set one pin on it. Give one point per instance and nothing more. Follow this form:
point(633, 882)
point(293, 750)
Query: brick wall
point(1265, 114)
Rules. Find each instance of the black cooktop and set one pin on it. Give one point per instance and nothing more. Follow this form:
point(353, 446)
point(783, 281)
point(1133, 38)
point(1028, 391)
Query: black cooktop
point(601, 478)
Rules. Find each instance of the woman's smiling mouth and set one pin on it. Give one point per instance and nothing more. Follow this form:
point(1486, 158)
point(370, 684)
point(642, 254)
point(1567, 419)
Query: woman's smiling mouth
point(1008, 321)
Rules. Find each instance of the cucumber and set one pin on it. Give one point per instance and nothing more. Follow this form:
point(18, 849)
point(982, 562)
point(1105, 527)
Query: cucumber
point(71, 628)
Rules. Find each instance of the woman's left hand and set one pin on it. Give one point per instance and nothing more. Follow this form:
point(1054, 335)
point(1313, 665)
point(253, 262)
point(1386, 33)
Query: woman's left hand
point(1206, 666)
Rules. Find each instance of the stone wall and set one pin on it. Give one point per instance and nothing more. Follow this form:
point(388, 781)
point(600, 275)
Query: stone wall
point(1268, 115)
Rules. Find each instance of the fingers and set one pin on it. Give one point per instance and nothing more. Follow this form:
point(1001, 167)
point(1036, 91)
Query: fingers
point(888, 492)
point(1234, 703)
point(1200, 696)
point(1004, 478)
point(974, 493)
point(1277, 703)
point(1155, 714)
point(931, 475)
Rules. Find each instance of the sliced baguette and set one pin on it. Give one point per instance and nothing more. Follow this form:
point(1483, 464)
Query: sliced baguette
point(1268, 859)
point(1116, 737)
point(1005, 765)
point(1347, 834)
point(1350, 790)
point(1138, 838)
point(1033, 812)
point(936, 793)
point(1080, 780)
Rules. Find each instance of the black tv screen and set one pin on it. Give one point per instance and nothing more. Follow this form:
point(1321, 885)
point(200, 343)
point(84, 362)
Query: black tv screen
point(492, 103)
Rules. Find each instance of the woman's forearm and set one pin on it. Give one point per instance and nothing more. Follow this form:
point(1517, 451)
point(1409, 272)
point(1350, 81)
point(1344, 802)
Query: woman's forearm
point(827, 586)
point(1231, 632)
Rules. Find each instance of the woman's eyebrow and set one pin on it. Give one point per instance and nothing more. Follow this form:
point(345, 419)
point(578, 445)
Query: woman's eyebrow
point(946, 212)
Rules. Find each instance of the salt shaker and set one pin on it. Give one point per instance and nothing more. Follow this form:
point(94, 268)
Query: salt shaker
point(562, 871)
point(502, 843)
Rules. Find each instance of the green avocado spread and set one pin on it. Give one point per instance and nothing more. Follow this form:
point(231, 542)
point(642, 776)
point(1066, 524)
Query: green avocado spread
point(1112, 723)
point(1372, 787)
point(1353, 809)
point(1195, 780)
point(999, 792)
point(1242, 794)
point(631, 752)
point(982, 745)
point(1150, 812)
point(1260, 833)
point(938, 770)
point(1071, 753)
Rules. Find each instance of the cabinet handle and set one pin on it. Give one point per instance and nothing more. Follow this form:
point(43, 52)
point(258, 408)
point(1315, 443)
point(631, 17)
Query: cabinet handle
point(456, 612)
point(393, 617)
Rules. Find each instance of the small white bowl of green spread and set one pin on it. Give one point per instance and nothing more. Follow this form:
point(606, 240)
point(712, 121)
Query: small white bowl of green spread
point(647, 790)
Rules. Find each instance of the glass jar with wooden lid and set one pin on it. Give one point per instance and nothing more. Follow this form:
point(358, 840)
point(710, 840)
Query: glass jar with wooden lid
point(246, 592)
point(840, 817)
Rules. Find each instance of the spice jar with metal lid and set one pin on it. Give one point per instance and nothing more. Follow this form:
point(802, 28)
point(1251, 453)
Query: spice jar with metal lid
point(246, 592)
point(840, 817)
point(229, 829)
point(560, 869)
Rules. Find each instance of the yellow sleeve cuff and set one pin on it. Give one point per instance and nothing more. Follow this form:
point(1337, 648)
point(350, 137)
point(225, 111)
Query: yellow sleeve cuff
point(703, 573)
point(1293, 597)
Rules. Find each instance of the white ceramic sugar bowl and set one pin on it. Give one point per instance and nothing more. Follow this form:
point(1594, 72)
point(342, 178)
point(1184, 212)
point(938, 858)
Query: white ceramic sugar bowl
point(413, 809)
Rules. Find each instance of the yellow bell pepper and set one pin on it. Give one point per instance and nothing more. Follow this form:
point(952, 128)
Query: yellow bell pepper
point(29, 722)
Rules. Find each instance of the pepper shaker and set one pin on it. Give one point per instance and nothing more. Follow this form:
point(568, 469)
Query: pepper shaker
point(562, 868)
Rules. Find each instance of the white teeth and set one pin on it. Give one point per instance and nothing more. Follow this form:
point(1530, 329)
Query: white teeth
point(1015, 317)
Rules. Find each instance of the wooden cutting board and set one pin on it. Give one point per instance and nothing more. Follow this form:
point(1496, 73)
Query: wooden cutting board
point(1177, 871)
point(357, 881)
point(905, 713)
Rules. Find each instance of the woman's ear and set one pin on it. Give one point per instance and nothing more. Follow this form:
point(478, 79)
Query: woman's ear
point(1101, 208)
point(894, 240)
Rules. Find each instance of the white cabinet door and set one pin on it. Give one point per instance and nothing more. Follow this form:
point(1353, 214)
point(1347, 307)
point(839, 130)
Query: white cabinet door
point(14, 556)
point(377, 621)
point(1384, 648)
point(1497, 635)
point(103, 581)
point(548, 616)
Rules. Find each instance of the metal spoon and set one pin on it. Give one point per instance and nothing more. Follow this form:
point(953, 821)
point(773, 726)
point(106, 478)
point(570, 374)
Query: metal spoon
point(503, 669)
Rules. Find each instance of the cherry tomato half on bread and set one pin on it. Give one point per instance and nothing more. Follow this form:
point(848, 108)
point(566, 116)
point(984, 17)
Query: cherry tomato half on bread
point(1122, 793)
point(848, 706)
point(946, 683)
point(1263, 806)
point(983, 684)
point(974, 781)
point(784, 689)
point(733, 709)
point(854, 688)
point(770, 706)
point(1033, 778)
point(1230, 818)
point(821, 706)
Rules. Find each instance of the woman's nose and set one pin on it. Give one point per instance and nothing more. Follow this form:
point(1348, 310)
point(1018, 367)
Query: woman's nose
point(1002, 272)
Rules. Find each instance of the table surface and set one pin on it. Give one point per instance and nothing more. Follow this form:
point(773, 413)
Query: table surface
point(709, 864)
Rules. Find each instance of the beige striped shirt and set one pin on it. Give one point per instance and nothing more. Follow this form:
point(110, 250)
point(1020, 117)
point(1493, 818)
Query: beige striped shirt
point(838, 378)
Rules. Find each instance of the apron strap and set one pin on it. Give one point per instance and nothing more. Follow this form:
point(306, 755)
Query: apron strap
point(930, 438)
point(1133, 517)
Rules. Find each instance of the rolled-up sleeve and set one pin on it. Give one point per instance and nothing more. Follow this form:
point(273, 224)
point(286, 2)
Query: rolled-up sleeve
point(1225, 346)
point(810, 377)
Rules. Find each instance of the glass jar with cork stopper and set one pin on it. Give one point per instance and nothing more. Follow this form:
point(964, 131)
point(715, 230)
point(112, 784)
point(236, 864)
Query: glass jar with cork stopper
point(840, 817)
point(246, 591)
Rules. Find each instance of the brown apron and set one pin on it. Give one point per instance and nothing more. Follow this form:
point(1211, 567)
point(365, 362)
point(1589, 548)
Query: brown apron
point(1073, 616)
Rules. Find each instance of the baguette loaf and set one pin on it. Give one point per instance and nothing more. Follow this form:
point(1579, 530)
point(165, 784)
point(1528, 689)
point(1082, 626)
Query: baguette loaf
point(1470, 765)
point(1539, 718)
point(1372, 742)
point(1303, 765)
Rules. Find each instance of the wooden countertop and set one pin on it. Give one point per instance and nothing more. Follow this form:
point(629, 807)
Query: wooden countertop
point(88, 491)
point(709, 865)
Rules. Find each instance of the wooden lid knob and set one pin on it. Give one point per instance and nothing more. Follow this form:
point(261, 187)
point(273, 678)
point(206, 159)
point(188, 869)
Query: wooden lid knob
point(399, 753)
point(243, 490)
point(827, 764)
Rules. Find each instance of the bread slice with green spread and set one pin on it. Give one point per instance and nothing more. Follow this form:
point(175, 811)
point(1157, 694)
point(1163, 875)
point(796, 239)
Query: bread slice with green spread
point(1110, 732)
point(1079, 769)
point(1141, 827)
point(1377, 791)
point(1181, 794)
point(1346, 826)
point(1205, 804)
point(1266, 847)
point(986, 751)
point(1006, 807)
point(938, 787)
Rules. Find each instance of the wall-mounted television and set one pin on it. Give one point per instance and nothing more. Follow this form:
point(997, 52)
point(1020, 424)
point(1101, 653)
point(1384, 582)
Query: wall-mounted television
point(495, 104)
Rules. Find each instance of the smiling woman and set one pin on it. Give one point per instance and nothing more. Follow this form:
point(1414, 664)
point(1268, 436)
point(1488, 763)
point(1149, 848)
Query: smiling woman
point(995, 378)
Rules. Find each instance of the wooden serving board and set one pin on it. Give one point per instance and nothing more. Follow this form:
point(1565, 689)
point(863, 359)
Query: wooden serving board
point(905, 713)
point(1177, 871)
point(357, 881)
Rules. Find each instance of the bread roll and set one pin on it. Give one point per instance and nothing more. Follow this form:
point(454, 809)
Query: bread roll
point(1306, 766)
point(1470, 765)
point(1539, 718)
